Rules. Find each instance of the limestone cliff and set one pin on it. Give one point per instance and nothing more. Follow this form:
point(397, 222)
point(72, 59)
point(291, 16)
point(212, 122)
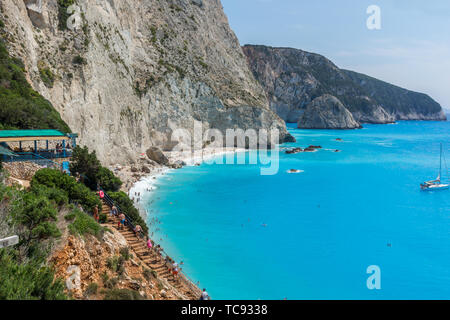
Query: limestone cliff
point(294, 78)
point(327, 112)
point(124, 74)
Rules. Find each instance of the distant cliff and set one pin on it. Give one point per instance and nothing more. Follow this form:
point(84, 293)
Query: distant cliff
point(294, 78)
point(132, 72)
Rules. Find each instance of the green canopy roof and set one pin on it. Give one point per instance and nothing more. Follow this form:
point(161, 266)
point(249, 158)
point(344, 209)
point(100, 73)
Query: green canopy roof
point(30, 133)
point(6, 152)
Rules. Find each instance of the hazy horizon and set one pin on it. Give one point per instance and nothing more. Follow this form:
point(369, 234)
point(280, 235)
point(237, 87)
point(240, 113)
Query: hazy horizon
point(412, 49)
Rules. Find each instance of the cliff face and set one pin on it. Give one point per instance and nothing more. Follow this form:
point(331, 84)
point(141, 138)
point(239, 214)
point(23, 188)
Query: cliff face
point(131, 72)
point(327, 112)
point(294, 78)
point(86, 262)
point(404, 104)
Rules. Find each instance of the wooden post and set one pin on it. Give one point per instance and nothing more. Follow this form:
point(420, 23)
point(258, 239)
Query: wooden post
point(64, 148)
point(35, 146)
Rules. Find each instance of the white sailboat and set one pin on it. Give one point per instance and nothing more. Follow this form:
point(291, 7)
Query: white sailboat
point(436, 184)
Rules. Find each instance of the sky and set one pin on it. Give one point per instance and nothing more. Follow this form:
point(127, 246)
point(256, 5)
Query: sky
point(411, 50)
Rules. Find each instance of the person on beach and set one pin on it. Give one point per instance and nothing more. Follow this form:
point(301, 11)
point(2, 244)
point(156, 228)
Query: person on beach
point(205, 295)
point(121, 223)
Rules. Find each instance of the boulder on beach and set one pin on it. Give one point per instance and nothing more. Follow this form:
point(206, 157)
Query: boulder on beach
point(155, 154)
point(178, 164)
point(146, 169)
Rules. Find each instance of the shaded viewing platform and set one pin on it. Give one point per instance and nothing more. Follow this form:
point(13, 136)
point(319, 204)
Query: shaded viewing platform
point(45, 147)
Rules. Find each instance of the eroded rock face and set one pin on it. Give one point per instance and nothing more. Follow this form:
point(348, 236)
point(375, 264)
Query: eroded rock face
point(35, 12)
point(327, 112)
point(83, 261)
point(132, 72)
point(294, 78)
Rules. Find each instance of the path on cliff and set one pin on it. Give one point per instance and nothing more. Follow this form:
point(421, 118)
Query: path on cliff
point(154, 261)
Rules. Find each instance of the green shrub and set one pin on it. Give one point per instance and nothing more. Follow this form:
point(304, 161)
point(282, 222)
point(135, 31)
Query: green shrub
point(37, 216)
point(84, 224)
point(76, 192)
point(105, 277)
point(123, 294)
point(103, 218)
point(58, 196)
point(88, 167)
point(107, 180)
point(111, 283)
point(20, 106)
point(27, 281)
point(79, 60)
point(116, 264)
point(70, 217)
point(91, 289)
point(47, 76)
point(125, 253)
point(84, 196)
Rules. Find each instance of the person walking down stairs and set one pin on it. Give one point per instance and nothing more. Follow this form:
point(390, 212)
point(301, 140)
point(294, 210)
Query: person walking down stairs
point(121, 222)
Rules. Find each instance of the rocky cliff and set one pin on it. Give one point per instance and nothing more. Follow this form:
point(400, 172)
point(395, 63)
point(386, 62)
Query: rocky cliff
point(327, 112)
point(294, 78)
point(124, 74)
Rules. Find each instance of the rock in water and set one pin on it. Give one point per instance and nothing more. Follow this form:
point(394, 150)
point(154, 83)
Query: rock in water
point(327, 112)
point(155, 154)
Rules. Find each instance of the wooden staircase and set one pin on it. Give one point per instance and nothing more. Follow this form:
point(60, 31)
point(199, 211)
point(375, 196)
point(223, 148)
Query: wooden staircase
point(152, 260)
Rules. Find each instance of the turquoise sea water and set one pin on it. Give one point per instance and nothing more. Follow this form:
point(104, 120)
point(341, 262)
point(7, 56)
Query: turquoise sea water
point(324, 227)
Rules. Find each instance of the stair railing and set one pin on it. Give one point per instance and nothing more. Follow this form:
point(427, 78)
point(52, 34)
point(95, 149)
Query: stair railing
point(131, 226)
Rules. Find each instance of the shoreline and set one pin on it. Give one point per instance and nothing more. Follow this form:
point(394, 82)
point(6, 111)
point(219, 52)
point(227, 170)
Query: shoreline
point(146, 183)
point(185, 159)
point(138, 186)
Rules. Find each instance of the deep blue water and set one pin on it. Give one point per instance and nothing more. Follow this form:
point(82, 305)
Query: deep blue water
point(324, 227)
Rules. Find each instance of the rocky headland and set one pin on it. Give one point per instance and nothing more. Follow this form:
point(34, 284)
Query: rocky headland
point(293, 79)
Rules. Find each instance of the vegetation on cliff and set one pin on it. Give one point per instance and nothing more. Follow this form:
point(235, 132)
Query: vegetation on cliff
point(35, 216)
point(20, 106)
point(61, 188)
point(23, 271)
point(92, 173)
point(86, 165)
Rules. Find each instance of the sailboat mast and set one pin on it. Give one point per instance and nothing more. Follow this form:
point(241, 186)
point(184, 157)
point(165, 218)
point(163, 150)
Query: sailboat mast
point(440, 165)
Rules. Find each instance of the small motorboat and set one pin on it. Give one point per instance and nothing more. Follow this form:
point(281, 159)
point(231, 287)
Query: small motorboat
point(437, 184)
